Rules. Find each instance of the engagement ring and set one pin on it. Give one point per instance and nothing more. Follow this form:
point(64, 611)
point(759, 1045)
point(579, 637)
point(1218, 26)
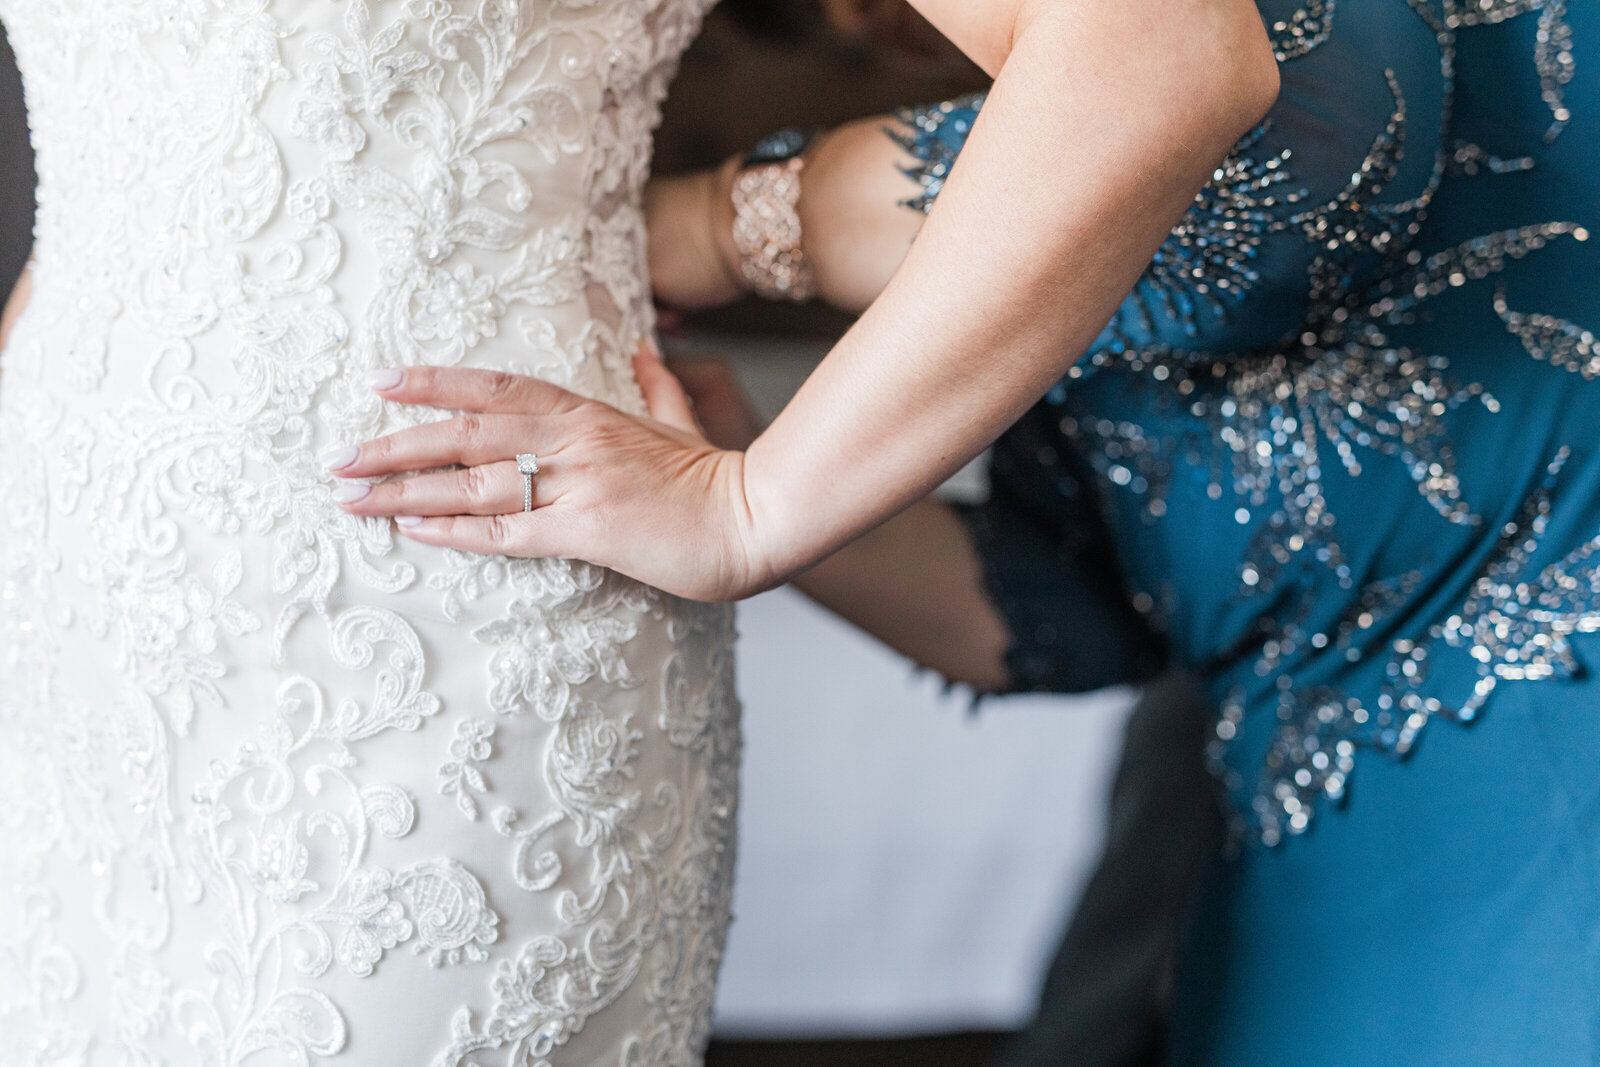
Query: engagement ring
point(527, 466)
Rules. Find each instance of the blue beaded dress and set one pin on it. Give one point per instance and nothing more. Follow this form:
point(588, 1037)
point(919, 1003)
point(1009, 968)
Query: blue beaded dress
point(1343, 444)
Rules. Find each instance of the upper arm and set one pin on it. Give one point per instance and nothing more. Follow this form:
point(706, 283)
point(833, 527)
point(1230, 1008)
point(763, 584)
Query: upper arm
point(983, 29)
point(1238, 271)
point(1228, 32)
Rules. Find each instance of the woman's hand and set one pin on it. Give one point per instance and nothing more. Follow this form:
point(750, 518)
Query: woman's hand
point(648, 497)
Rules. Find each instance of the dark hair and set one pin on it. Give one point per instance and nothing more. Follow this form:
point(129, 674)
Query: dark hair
point(773, 20)
point(16, 174)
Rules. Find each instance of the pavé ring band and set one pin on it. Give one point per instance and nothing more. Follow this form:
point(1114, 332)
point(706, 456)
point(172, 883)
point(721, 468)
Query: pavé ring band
point(527, 466)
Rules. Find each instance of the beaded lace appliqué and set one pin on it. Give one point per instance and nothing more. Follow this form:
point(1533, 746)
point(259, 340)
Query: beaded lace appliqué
point(289, 195)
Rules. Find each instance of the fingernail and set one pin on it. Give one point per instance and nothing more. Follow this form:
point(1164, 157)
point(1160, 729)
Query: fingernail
point(339, 457)
point(408, 520)
point(350, 492)
point(648, 346)
point(385, 379)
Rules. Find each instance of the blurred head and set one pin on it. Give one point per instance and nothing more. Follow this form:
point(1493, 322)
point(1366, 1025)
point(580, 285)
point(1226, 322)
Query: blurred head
point(886, 26)
point(891, 24)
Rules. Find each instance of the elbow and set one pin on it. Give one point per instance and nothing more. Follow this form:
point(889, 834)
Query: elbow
point(1211, 61)
point(1224, 73)
point(986, 676)
point(1245, 76)
point(1257, 81)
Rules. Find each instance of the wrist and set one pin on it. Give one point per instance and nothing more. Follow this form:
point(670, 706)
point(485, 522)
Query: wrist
point(780, 543)
point(759, 566)
point(688, 266)
point(718, 213)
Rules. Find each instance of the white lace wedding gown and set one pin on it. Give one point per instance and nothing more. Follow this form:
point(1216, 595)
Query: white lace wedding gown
point(275, 786)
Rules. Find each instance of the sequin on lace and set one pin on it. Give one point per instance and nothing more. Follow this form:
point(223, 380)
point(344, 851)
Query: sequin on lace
point(1302, 32)
point(1514, 624)
point(1268, 419)
point(1552, 52)
point(1270, 426)
point(1209, 256)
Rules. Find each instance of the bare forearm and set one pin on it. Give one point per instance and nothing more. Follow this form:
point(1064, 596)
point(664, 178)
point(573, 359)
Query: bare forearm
point(915, 583)
point(1083, 158)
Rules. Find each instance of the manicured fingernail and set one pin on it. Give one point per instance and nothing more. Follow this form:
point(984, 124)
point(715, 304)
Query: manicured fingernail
point(350, 492)
point(385, 379)
point(408, 520)
point(339, 457)
point(648, 346)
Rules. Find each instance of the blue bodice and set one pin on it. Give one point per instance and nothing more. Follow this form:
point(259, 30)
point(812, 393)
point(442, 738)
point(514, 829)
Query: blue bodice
point(1351, 391)
point(1344, 443)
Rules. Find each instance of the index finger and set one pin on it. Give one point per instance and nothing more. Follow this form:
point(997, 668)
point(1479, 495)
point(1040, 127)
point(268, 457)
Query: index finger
point(466, 389)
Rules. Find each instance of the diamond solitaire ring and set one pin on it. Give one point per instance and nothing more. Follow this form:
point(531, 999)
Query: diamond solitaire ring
point(527, 466)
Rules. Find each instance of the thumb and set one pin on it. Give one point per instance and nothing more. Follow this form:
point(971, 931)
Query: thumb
point(664, 397)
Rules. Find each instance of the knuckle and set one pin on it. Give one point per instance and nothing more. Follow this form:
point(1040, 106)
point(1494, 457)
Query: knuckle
point(398, 492)
point(421, 381)
point(475, 486)
point(499, 533)
point(467, 428)
point(502, 386)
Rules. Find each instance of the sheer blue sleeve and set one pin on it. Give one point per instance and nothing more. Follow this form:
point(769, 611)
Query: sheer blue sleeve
point(1321, 199)
point(1050, 569)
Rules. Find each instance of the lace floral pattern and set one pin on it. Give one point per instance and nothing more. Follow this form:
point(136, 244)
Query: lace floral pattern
point(262, 811)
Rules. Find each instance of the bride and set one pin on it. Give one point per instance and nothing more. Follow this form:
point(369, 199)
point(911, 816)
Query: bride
point(280, 786)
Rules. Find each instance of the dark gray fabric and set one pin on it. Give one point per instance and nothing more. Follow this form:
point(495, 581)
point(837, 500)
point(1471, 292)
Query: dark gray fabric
point(1105, 999)
point(16, 173)
point(1050, 567)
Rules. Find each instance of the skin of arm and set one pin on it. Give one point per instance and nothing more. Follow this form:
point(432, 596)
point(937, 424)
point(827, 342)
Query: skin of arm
point(1104, 121)
point(1084, 156)
point(915, 583)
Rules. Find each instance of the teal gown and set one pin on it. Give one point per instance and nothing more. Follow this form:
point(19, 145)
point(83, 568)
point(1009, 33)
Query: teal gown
point(1339, 452)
